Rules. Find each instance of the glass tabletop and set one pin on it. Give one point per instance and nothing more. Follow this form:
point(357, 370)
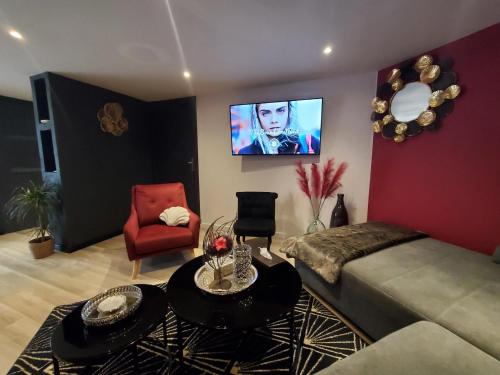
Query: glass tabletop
point(274, 294)
point(74, 342)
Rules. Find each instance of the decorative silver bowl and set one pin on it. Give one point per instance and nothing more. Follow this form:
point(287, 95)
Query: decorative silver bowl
point(95, 313)
point(204, 276)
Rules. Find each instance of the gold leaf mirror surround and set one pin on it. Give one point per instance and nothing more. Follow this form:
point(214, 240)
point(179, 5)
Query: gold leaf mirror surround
point(413, 98)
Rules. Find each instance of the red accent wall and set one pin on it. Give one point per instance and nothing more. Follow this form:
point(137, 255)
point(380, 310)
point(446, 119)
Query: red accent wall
point(447, 183)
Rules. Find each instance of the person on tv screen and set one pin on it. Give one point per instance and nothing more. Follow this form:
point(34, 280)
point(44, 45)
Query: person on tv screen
point(275, 131)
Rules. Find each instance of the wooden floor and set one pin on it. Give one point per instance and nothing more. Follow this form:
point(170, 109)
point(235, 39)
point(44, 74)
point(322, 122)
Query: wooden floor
point(30, 289)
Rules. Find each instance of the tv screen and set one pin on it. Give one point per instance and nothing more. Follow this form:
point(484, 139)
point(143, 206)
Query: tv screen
point(291, 127)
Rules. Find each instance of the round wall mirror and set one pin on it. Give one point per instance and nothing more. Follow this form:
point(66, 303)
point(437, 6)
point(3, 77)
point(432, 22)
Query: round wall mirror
point(414, 98)
point(410, 102)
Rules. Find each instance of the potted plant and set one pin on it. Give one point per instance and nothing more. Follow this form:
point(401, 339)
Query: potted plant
point(319, 188)
point(40, 202)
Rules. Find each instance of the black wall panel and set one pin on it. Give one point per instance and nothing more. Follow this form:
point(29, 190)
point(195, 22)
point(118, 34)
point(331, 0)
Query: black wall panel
point(96, 170)
point(19, 161)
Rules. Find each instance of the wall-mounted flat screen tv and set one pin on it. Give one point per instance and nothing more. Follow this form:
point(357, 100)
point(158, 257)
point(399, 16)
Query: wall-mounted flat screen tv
point(291, 127)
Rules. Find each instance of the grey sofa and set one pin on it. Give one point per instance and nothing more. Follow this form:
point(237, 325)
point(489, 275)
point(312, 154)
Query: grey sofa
point(419, 280)
point(421, 348)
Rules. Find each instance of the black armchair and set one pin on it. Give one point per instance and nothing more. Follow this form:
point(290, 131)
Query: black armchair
point(255, 216)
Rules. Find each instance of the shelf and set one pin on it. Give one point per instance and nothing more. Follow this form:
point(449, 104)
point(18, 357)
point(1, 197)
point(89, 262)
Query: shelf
point(49, 160)
point(42, 104)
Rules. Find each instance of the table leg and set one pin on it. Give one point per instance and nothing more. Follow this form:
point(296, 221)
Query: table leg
point(291, 325)
point(55, 364)
point(179, 339)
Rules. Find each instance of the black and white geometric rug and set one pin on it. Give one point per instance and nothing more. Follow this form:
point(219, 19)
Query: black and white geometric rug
point(326, 339)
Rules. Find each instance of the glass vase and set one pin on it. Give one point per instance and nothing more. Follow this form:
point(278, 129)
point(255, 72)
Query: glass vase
point(316, 226)
point(242, 259)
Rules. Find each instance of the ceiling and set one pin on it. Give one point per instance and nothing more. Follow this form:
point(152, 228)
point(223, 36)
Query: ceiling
point(142, 47)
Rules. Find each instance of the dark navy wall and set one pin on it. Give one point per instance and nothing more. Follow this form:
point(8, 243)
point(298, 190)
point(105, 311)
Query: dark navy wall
point(96, 169)
point(19, 161)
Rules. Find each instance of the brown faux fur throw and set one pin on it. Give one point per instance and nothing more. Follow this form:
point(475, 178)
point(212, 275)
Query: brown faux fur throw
point(327, 251)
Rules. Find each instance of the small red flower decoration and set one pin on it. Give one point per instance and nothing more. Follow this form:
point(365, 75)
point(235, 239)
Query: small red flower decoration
point(220, 244)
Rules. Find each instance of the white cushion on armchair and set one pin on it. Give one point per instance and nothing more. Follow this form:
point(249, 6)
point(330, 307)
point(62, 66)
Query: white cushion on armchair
point(174, 216)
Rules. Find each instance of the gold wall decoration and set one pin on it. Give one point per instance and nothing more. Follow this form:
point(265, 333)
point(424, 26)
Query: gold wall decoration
point(397, 84)
point(399, 138)
point(393, 75)
point(426, 118)
point(401, 128)
point(387, 119)
point(452, 92)
point(111, 119)
point(424, 80)
point(437, 98)
point(379, 106)
point(423, 62)
point(430, 74)
point(377, 126)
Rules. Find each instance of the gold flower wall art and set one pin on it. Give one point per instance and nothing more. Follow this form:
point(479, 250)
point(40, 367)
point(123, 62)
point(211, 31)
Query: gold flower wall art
point(112, 120)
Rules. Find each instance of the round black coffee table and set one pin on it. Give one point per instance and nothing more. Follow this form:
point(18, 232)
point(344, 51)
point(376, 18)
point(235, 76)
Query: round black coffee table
point(74, 342)
point(273, 296)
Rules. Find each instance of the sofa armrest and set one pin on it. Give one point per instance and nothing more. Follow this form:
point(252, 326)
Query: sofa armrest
point(130, 232)
point(194, 227)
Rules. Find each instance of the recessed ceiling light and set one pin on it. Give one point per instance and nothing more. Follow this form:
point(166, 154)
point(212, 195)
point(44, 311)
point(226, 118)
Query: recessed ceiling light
point(16, 34)
point(186, 74)
point(327, 50)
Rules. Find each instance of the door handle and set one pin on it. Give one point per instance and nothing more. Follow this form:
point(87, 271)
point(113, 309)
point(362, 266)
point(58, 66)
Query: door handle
point(191, 163)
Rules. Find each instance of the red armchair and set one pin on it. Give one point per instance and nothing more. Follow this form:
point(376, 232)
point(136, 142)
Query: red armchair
point(146, 235)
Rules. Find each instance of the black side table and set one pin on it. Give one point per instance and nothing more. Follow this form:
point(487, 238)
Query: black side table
point(74, 342)
point(273, 296)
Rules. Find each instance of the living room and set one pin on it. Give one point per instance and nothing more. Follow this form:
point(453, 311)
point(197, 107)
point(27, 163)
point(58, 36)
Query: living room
point(249, 187)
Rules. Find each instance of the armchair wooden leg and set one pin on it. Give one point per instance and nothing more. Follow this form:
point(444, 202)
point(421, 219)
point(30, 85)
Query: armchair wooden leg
point(238, 240)
point(136, 268)
point(269, 241)
point(244, 239)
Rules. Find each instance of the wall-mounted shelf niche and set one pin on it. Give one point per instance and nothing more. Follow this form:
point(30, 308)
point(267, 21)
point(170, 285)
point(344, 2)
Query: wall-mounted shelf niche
point(42, 103)
point(49, 160)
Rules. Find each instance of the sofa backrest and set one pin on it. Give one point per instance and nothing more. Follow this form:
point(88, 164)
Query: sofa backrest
point(151, 200)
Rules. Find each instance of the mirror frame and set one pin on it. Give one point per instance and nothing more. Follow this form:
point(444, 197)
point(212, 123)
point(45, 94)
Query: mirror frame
point(443, 83)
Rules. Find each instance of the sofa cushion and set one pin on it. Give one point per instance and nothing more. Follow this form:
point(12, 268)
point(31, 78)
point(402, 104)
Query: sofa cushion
point(254, 227)
point(421, 348)
point(159, 237)
point(436, 281)
point(151, 200)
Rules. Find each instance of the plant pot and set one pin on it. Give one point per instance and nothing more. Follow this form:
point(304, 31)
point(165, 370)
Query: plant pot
point(42, 247)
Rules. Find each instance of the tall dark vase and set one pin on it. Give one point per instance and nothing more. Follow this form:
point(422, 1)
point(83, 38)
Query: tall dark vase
point(339, 213)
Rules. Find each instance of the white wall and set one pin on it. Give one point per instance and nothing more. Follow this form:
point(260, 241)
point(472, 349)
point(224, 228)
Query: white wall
point(346, 135)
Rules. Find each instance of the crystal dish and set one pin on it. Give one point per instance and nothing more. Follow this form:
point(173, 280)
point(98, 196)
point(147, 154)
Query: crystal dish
point(205, 275)
point(111, 306)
